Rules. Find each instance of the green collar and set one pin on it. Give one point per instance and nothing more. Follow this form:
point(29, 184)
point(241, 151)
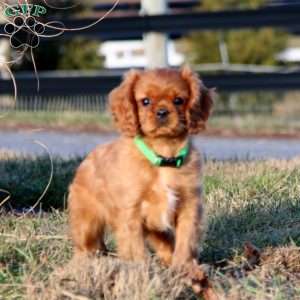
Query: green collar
point(158, 160)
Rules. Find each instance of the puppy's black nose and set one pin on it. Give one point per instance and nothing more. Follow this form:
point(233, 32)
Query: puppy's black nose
point(162, 113)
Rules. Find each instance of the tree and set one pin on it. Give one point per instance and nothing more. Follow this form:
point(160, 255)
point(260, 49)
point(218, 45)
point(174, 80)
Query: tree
point(211, 5)
point(243, 46)
point(80, 54)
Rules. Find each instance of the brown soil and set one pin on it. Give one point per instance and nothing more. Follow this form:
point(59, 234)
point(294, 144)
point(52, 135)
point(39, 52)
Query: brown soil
point(213, 132)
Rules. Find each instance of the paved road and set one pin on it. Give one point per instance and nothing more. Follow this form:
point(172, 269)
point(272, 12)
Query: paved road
point(66, 145)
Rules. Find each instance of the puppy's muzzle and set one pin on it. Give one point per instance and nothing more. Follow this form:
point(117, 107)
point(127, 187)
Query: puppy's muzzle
point(162, 115)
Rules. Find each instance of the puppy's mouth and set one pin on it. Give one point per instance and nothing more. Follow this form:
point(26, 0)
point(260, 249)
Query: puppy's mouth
point(162, 123)
point(167, 127)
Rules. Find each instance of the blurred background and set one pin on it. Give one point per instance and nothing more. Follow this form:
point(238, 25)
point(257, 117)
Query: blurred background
point(248, 49)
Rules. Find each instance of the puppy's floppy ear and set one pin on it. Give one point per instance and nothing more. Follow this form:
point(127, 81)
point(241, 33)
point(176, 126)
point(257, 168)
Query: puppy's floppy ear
point(123, 105)
point(200, 102)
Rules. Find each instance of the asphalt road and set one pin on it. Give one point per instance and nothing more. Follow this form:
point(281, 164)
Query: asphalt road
point(218, 148)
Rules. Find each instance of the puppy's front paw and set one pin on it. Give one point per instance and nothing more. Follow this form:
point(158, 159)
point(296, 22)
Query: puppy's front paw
point(198, 280)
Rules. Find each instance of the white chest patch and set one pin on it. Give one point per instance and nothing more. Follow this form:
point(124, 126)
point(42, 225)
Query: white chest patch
point(167, 216)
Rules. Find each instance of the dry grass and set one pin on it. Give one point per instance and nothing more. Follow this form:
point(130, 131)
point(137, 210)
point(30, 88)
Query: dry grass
point(66, 121)
point(109, 278)
point(255, 201)
point(276, 277)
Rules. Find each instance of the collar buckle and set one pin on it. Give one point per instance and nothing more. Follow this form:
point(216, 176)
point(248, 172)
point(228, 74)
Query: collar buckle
point(168, 161)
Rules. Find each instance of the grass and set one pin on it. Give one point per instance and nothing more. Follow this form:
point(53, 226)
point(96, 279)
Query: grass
point(56, 120)
point(250, 124)
point(245, 201)
point(26, 179)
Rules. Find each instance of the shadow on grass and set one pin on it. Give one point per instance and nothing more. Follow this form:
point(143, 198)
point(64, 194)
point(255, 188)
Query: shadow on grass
point(26, 179)
point(263, 208)
point(227, 234)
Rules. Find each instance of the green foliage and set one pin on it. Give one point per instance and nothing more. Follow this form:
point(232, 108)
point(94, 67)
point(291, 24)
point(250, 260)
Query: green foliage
point(243, 46)
point(75, 54)
point(211, 5)
point(80, 54)
point(255, 46)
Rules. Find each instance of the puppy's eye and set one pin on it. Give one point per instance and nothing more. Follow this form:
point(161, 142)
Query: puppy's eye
point(178, 101)
point(146, 101)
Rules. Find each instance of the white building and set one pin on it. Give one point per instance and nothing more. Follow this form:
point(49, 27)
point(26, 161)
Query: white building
point(127, 54)
point(289, 55)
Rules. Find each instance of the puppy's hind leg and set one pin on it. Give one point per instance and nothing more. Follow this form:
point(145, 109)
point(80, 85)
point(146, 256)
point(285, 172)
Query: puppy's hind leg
point(87, 223)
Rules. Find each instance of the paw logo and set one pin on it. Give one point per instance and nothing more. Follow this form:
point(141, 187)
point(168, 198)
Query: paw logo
point(24, 32)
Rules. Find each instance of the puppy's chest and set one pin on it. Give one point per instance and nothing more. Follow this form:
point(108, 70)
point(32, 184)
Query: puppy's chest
point(161, 203)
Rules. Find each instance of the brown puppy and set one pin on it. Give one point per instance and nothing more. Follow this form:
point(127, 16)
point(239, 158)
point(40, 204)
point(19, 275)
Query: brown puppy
point(118, 187)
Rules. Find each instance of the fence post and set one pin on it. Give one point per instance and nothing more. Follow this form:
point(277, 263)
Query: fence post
point(155, 43)
point(4, 52)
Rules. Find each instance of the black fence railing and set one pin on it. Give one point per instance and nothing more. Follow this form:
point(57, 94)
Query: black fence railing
point(54, 84)
point(133, 27)
point(126, 6)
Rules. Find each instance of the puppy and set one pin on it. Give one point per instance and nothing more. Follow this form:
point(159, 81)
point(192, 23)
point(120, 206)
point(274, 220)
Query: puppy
point(145, 186)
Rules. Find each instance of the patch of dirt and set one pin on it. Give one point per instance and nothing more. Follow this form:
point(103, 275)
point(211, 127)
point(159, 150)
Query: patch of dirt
point(232, 133)
point(57, 128)
point(212, 132)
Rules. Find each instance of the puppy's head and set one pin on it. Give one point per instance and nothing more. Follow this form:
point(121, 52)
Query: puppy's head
point(161, 102)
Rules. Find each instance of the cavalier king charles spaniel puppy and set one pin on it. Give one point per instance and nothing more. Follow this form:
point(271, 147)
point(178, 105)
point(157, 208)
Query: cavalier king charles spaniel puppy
point(146, 185)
